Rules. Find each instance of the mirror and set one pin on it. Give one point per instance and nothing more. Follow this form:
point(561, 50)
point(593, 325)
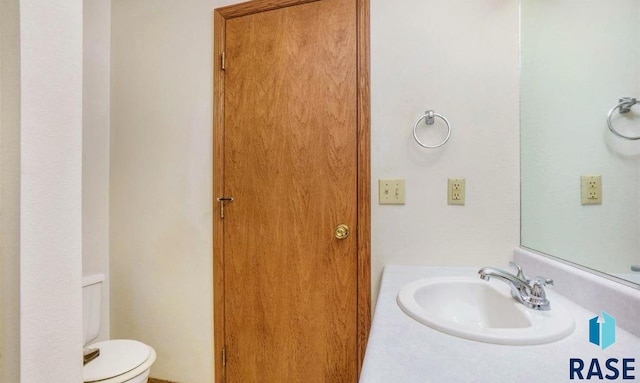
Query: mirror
point(577, 59)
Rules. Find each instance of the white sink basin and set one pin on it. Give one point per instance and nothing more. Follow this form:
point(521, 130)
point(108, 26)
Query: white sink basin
point(483, 311)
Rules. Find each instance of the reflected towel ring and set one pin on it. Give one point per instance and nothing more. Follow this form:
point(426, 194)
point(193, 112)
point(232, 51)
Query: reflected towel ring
point(624, 106)
point(428, 116)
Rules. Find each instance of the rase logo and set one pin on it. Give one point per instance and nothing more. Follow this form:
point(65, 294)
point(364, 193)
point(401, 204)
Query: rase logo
point(602, 332)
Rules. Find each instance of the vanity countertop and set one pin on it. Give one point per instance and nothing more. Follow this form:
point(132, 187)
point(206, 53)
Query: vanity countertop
point(402, 350)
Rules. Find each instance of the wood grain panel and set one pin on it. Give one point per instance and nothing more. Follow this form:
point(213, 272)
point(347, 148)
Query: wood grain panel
point(308, 280)
point(153, 380)
point(291, 166)
point(364, 179)
point(218, 191)
point(257, 6)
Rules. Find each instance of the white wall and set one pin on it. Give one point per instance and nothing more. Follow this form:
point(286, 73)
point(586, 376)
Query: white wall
point(574, 71)
point(161, 183)
point(9, 191)
point(95, 145)
point(457, 57)
point(50, 205)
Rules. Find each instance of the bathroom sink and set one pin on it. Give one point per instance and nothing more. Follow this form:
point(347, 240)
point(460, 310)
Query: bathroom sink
point(483, 311)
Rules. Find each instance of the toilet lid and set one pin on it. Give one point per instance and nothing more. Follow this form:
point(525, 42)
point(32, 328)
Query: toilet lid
point(116, 358)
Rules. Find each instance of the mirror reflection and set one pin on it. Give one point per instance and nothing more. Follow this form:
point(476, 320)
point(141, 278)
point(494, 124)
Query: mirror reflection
point(580, 181)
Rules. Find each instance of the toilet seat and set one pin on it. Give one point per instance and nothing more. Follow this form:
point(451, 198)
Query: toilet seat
point(118, 357)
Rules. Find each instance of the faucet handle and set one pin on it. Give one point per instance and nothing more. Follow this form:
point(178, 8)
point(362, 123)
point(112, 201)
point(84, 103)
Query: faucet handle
point(520, 273)
point(538, 297)
point(544, 281)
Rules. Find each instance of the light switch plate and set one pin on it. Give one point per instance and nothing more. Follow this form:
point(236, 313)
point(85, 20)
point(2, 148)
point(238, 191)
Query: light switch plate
point(391, 192)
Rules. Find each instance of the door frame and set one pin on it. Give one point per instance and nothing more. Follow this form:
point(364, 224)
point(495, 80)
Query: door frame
point(363, 231)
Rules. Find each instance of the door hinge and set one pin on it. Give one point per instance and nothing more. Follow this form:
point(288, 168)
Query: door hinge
point(224, 356)
point(223, 61)
point(222, 200)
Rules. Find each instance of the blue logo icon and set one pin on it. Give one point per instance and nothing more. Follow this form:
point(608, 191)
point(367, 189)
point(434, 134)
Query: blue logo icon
point(602, 330)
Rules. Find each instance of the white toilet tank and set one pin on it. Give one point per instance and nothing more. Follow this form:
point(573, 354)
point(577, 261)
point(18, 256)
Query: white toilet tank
point(91, 306)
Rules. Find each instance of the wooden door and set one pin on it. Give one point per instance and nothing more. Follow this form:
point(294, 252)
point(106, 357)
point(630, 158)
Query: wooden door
point(290, 149)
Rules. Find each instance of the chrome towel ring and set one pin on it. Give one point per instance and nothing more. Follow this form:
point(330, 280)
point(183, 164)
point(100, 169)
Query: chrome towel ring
point(624, 106)
point(429, 117)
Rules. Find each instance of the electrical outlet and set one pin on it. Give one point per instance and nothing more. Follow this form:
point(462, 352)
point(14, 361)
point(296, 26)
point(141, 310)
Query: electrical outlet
point(456, 188)
point(591, 190)
point(391, 192)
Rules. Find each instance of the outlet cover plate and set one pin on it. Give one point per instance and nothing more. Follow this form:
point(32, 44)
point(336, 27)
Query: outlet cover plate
point(591, 190)
point(456, 190)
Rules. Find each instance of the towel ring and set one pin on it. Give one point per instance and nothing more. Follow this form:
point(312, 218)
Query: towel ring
point(624, 106)
point(428, 116)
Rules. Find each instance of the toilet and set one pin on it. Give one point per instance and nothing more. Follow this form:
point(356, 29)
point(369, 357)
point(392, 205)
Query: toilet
point(119, 361)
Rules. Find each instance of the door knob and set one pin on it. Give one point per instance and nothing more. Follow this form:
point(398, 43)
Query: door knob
point(342, 231)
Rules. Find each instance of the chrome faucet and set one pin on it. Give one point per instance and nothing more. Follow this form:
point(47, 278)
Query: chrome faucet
point(529, 292)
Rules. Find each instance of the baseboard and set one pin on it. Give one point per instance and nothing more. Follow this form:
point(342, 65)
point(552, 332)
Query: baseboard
point(154, 380)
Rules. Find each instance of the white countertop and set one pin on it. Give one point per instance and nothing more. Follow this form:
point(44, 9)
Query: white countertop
point(401, 349)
